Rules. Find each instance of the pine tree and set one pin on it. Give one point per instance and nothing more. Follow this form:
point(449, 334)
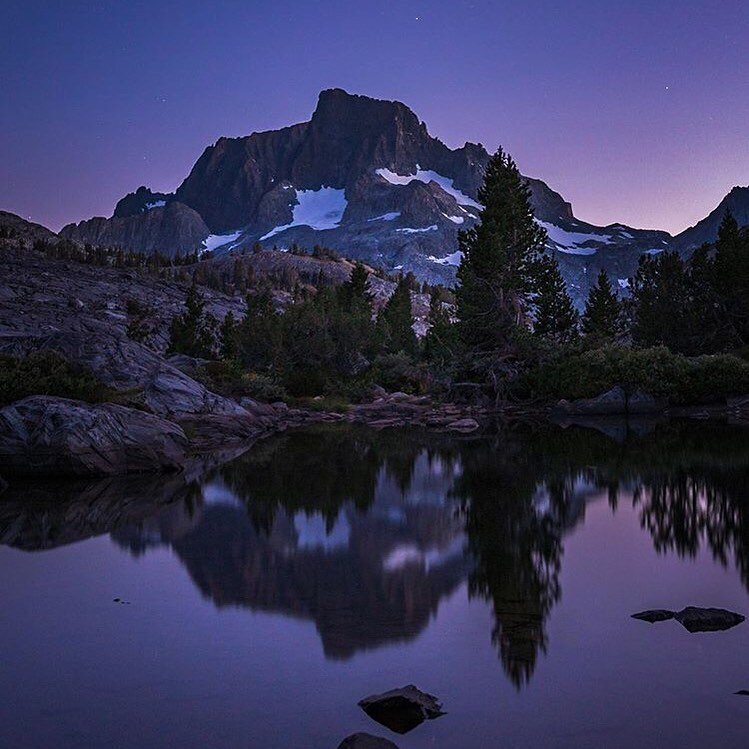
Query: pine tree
point(602, 318)
point(228, 337)
point(355, 291)
point(396, 320)
point(259, 334)
point(493, 292)
point(440, 343)
point(732, 274)
point(554, 316)
point(661, 303)
point(194, 332)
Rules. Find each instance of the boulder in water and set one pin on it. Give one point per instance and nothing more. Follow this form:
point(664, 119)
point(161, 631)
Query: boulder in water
point(695, 619)
point(401, 710)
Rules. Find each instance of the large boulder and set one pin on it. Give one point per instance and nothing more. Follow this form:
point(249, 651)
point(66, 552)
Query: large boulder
point(170, 392)
point(401, 710)
point(366, 741)
point(42, 435)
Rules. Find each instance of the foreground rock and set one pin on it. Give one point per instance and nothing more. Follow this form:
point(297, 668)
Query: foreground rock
point(694, 618)
point(41, 435)
point(366, 741)
point(401, 710)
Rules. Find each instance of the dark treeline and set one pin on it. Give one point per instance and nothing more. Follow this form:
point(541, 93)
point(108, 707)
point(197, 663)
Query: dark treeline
point(110, 257)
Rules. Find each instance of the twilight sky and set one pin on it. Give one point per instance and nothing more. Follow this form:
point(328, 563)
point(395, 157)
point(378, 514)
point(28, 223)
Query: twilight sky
point(635, 111)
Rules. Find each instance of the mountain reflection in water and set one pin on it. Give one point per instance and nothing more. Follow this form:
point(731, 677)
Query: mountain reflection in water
point(365, 532)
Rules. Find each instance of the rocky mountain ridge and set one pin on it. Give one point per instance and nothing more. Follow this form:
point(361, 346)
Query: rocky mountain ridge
point(365, 177)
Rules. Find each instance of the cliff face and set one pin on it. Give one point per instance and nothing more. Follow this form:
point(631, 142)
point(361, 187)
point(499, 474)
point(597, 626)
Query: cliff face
point(169, 229)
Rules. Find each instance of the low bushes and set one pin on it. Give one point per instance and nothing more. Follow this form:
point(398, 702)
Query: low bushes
point(48, 373)
point(656, 371)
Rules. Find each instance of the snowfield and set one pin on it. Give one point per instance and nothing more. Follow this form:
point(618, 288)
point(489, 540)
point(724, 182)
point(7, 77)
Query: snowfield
point(452, 259)
point(214, 241)
point(155, 204)
point(570, 241)
point(433, 227)
point(386, 216)
point(426, 176)
point(319, 209)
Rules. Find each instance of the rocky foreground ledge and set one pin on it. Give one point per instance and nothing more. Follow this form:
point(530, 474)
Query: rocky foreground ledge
point(43, 436)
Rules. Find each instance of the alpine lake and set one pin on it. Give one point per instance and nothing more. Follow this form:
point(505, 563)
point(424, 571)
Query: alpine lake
point(255, 603)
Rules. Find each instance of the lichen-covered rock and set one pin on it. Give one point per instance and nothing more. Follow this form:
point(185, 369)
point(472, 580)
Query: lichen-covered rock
point(42, 435)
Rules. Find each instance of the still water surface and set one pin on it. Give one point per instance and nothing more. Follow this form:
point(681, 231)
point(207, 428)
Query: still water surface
point(267, 597)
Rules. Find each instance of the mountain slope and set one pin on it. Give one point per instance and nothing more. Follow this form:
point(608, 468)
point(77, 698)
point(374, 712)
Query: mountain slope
point(737, 201)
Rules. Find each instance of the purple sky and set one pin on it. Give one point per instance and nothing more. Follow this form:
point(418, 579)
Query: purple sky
point(635, 111)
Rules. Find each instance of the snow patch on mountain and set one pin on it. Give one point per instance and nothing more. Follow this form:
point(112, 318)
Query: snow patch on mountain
point(454, 219)
point(452, 259)
point(426, 176)
point(319, 209)
point(571, 242)
point(214, 241)
point(155, 204)
point(386, 216)
point(408, 230)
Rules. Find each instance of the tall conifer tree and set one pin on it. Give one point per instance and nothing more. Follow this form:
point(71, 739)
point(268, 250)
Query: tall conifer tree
point(602, 319)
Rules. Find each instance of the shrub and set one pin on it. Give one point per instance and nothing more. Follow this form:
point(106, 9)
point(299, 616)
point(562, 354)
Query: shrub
point(399, 372)
point(229, 378)
point(48, 373)
point(655, 370)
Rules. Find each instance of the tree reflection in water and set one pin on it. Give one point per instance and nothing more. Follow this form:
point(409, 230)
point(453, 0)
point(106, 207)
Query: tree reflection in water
point(365, 532)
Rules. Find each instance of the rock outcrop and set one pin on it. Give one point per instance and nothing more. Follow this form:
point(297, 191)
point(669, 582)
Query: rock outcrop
point(170, 228)
point(43, 436)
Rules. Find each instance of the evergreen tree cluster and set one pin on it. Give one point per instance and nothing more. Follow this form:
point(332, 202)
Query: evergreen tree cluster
point(699, 306)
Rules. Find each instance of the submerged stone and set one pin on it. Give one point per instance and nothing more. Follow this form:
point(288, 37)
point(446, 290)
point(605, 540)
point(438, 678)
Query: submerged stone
point(401, 710)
